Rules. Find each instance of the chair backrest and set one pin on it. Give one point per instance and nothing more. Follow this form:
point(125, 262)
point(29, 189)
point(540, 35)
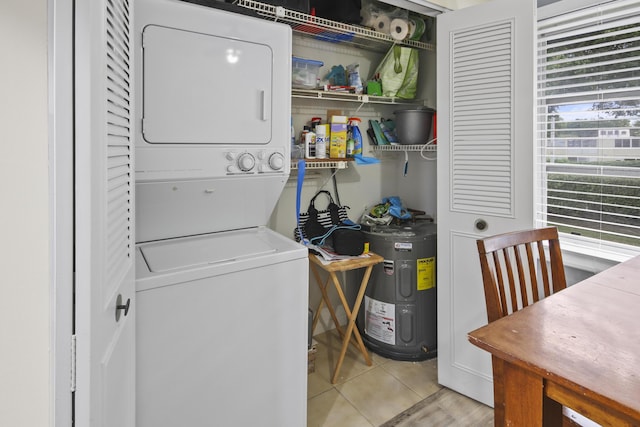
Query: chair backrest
point(512, 277)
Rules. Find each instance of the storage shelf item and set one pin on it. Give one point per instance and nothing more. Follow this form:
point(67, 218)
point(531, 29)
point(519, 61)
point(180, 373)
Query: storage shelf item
point(416, 147)
point(323, 163)
point(330, 31)
point(351, 97)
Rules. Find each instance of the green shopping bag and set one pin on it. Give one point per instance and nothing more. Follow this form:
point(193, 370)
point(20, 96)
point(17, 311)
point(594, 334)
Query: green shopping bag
point(398, 72)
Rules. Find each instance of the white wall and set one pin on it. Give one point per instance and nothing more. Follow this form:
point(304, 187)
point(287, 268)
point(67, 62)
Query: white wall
point(24, 215)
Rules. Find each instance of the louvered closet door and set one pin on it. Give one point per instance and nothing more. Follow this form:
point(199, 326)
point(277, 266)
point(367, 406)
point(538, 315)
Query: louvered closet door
point(104, 216)
point(485, 167)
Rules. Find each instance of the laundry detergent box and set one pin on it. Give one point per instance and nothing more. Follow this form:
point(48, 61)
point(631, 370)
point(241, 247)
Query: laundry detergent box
point(338, 146)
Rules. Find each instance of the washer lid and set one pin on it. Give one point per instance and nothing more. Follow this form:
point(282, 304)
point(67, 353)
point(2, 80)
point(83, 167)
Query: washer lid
point(205, 250)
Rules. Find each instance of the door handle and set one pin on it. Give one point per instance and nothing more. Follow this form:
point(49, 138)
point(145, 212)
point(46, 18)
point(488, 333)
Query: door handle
point(265, 106)
point(122, 307)
point(480, 224)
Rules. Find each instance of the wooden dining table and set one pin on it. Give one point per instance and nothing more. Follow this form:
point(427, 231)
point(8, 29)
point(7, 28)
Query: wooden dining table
point(578, 348)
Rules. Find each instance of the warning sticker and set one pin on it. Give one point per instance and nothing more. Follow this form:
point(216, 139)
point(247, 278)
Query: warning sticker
point(426, 273)
point(380, 320)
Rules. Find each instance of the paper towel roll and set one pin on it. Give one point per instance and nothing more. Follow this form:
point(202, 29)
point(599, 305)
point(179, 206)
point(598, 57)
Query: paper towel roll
point(399, 29)
point(381, 23)
point(369, 20)
point(416, 28)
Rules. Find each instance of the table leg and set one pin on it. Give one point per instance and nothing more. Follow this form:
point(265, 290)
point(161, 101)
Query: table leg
point(525, 402)
point(352, 315)
point(325, 298)
point(498, 390)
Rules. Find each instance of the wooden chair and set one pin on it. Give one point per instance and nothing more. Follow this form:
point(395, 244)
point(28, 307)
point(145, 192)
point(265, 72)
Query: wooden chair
point(515, 274)
point(512, 276)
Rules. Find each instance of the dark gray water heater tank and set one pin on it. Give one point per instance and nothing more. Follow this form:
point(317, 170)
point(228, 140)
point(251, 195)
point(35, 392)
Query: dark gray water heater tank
point(398, 316)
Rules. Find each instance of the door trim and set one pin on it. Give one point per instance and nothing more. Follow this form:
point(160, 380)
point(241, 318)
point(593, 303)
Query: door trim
point(61, 223)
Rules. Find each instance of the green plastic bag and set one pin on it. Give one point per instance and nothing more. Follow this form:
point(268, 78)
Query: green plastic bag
point(398, 72)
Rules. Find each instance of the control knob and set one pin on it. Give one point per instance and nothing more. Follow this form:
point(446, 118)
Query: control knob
point(276, 161)
point(246, 162)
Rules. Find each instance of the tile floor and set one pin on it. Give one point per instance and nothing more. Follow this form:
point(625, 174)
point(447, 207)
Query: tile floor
point(372, 395)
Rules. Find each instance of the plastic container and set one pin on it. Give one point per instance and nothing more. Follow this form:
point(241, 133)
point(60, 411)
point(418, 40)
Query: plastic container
point(413, 127)
point(304, 73)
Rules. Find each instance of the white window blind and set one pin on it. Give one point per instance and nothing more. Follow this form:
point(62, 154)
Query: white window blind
point(589, 126)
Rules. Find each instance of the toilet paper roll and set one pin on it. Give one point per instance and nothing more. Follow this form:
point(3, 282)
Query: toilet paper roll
point(399, 29)
point(382, 24)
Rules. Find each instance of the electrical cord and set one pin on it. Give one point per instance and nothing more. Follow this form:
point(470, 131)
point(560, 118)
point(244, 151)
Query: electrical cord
point(435, 157)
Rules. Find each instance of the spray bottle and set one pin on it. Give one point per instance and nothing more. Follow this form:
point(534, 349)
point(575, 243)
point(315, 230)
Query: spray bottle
point(356, 136)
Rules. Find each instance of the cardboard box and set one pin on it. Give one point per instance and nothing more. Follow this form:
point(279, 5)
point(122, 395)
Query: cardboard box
point(338, 145)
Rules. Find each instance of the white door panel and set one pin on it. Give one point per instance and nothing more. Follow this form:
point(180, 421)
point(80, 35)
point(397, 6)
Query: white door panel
point(485, 170)
point(104, 234)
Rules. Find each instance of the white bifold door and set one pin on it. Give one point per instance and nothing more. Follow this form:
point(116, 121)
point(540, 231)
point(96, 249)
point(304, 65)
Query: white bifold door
point(104, 217)
point(485, 167)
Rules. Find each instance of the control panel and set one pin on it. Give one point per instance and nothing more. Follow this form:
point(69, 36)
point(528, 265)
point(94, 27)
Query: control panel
point(254, 161)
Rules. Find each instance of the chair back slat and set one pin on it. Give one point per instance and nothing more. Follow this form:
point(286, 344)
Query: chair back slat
point(516, 271)
point(543, 267)
point(532, 269)
point(500, 282)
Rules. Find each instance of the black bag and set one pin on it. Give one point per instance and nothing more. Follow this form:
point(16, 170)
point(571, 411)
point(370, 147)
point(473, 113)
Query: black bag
point(330, 227)
point(315, 223)
point(347, 241)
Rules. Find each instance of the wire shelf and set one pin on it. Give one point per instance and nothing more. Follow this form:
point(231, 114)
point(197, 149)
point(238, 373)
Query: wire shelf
point(398, 147)
point(322, 164)
point(351, 97)
point(330, 31)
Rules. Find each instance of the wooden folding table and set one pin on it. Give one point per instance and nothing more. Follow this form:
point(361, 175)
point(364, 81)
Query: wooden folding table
point(352, 312)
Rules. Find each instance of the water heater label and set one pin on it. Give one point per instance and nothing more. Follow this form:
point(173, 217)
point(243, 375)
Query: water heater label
point(426, 273)
point(403, 246)
point(380, 320)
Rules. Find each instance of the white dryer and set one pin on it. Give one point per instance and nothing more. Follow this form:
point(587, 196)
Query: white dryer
point(221, 300)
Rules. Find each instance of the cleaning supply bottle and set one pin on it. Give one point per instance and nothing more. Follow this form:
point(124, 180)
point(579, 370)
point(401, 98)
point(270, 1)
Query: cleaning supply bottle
point(350, 145)
point(305, 130)
point(310, 145)
point(321, 141)
point(294, 147)
point(356, 136)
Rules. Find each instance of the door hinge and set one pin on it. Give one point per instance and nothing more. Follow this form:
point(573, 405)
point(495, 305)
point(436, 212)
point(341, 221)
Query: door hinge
point(73, 363)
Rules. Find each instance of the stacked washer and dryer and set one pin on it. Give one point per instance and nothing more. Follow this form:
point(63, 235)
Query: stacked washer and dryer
point(222, 301)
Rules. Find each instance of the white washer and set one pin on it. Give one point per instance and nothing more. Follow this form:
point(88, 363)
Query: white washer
point(222, 331)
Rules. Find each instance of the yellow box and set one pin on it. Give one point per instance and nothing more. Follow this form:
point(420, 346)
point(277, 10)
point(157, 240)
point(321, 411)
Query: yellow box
point(338, 145)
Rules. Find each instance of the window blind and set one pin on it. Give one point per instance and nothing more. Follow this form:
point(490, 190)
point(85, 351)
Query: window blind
point(588, 121)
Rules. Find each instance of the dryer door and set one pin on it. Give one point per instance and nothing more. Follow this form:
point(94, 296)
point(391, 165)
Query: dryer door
point(205, 89)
